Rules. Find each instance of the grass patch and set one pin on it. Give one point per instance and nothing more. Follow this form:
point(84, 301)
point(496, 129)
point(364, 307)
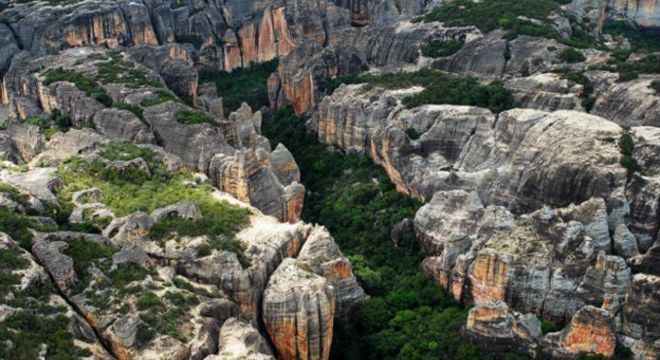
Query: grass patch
point(121, 71)
point(90, 87)
point(84, 254)
point(241, 85)
point(193, 117)
point(140, 191)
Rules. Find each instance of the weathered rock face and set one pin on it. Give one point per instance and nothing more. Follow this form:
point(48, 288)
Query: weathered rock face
point(298, 311)
point(323, 256)
point(631, 103)
point(591, 330)
point(232, 152)
point(465, 145)
point(129, 272)
point(239, 340)
point(562, 273)
point(27, 282)
point(645, 13)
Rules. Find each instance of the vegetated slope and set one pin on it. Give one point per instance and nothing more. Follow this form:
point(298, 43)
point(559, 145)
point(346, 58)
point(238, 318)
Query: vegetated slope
point(408, 315)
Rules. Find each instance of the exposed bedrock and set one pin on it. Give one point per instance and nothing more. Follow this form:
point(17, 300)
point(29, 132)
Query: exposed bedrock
point(230, 151)
point(521, 159)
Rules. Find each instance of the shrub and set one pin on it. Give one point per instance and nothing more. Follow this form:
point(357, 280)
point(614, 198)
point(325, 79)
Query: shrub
point(193, 117)
point(655, 85)
point(135, 109)
point(464, 91)
point(90, 87)
point(627, 146)
point(549, 326)
point(438, 48)
point(161, 97)
point(570, 55)
point(148, 301)
point(17, 226)
point(84, 253)
point(413, 134)
point(641, 40)
point(193, 39)
point(440, 88)
point(576, 77)
point(488, 15)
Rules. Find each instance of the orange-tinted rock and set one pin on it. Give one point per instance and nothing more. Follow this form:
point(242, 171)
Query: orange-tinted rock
point(488, 276)
point(247, 37)
point(591, 331)
point(232, 52)
point(267, 41)
point(298, 312)
point(285, 42)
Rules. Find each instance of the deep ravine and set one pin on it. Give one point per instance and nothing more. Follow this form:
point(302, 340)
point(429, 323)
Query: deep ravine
point(408, 316)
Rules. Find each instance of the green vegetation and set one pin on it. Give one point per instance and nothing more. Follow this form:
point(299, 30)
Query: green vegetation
point(16, 226)
point(84, 253)
point(118, 70)
point(488, 15)
point(161, 97)
point(517, 17)
point(439, 48)
point(193, 39)
point(655, 85)
point(36, 321)
point(440, 88)
point(193, 117)
point(135, 109)
point(137, 190)
point(570, 55)
point(627, 146)
point(241, 85)
point(148, 300)
point(576, 77)
point(220, 221)
point(408, 315)
point(90, 87)
point(630, 70)
point(50, 126)
point(549, 326)
point(163, 315)
point(640, 40)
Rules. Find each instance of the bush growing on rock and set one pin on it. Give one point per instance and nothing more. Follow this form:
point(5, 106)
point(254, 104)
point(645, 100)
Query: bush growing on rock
point(439, 48)
point(571, 55)
point(193, 117)
point(90, 87)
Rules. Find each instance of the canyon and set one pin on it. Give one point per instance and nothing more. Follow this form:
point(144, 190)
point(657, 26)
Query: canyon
point(144, 217)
